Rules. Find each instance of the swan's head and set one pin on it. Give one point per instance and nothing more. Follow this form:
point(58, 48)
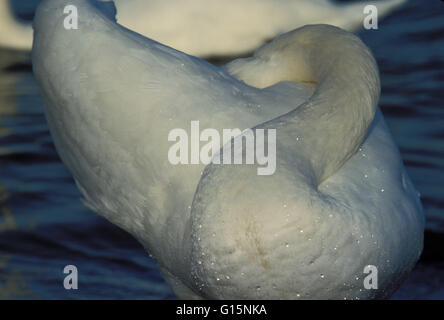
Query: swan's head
point(303, 55)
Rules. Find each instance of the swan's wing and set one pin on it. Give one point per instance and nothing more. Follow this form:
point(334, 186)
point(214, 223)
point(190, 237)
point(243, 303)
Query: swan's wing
point(366, 213)
point(111, 99)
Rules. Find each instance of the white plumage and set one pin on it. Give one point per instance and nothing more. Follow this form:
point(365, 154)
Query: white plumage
point(213, 27)
point(339, 200)
point(13, 33)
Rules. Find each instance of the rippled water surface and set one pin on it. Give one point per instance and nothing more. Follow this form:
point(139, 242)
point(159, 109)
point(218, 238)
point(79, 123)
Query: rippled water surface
point(44, 226)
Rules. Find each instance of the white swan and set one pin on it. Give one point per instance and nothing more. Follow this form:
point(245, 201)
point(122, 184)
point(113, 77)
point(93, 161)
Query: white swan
point(213, 27)
point(339, 200)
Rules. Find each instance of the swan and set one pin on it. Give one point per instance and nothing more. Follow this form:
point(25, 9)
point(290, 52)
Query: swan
point(213, 27)
point(339, 200)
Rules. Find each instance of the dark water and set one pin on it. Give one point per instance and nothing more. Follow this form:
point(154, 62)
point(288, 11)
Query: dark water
point(44, 226)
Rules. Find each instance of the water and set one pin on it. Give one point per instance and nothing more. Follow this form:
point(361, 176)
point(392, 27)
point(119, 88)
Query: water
point(44, 226)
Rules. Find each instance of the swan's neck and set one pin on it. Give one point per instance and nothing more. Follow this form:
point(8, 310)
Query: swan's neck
point(13, 34)
point(338, 115)
point(333, 123)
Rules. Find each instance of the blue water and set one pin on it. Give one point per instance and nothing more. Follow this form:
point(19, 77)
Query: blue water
point(44, 226)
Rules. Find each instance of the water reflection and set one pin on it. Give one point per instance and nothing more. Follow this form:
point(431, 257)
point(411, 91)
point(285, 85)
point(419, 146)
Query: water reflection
point(12, 283)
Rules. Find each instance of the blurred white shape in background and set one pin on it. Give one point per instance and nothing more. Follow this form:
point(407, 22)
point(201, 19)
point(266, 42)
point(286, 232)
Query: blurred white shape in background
point(213, 27)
